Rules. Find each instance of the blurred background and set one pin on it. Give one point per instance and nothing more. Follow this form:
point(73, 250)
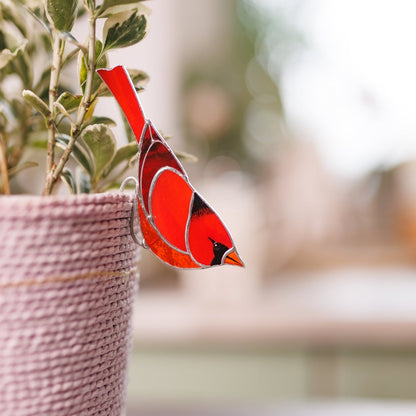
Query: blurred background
point(302, 116)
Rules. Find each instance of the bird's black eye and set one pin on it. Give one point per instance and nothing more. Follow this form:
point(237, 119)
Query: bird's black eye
point(218, 251)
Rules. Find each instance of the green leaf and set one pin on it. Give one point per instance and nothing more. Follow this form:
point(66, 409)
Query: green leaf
point(69, 101)
point(139, 78)
point(38, 18)
point(68, 177)
point(67, 36)
point(101, 62)
point(110, 7)
point(13, 56)
point(124, 29)
point(80, 154)
point(7, 55)
point(36, 102)
point(186, 157)
point(124, 153)
point(9, 11)
point(111, 3)
point(62, 13)
point(23, 67)
point(101, 120)
point(90, 5)
point(84, 183)
point(82, 70)
point(102, 145)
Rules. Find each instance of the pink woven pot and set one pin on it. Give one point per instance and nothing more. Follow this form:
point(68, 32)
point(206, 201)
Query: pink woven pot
point(68, 277)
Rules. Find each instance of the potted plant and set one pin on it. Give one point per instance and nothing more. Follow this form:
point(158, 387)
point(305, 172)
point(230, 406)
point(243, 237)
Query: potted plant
point(68, 266)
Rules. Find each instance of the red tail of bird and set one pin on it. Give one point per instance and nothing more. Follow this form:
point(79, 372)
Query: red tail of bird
point(119, 83)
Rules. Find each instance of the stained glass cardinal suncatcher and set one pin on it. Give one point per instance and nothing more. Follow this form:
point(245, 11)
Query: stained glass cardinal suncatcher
point(176, 222)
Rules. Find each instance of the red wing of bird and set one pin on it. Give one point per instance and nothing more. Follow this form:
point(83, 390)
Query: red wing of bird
point(170, 198)
point(159, 247)
point(155, 154)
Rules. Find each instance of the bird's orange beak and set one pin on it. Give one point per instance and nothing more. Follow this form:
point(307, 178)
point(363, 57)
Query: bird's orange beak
point(233, 258)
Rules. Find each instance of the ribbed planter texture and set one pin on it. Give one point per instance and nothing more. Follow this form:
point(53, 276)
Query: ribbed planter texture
point(68, 279)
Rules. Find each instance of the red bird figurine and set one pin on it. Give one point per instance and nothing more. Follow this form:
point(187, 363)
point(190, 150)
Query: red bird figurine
point(176, 223)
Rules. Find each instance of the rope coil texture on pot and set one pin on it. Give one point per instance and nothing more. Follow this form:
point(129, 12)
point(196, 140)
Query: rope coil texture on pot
point(68, 278)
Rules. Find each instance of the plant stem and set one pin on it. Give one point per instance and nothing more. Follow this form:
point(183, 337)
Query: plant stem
point(3, 167)
point(84, 106)
point(58, 50)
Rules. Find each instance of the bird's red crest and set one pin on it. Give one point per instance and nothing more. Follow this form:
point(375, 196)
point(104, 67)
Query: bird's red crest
point(176, 223)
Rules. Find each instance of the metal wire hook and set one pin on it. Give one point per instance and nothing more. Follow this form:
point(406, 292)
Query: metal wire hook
point(134, 211)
